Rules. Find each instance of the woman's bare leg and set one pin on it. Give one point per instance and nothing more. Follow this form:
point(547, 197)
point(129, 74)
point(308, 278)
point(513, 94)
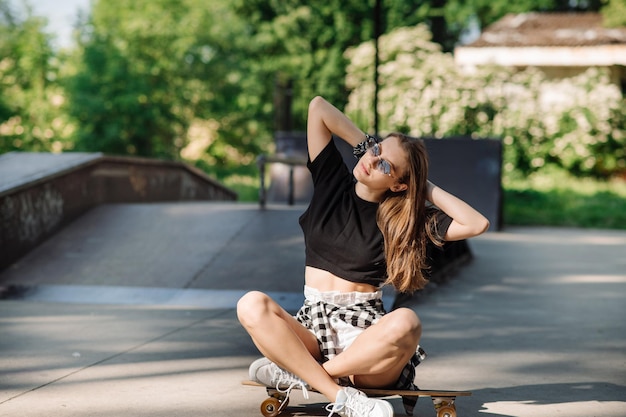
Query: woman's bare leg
point(284, 341)
point(377, 356)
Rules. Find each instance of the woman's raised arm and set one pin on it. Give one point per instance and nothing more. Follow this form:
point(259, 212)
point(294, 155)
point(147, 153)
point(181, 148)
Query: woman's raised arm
point(466, 221)
point(323, 121)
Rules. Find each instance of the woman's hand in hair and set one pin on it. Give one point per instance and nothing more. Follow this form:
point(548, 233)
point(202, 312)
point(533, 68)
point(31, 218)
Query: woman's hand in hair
point(467, 222)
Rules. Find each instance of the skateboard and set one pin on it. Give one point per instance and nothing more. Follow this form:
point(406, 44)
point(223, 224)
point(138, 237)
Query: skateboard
point(443, 401)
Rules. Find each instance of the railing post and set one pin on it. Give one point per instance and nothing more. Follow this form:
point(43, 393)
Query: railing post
point(291, 195)
point(261, 159)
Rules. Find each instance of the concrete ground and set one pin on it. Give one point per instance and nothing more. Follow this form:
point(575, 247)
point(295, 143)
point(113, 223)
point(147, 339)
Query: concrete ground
point(129, 311)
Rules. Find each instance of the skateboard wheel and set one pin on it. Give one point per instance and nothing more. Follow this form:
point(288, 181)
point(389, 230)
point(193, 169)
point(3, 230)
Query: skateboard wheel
point(446, 411)
point(270, 407)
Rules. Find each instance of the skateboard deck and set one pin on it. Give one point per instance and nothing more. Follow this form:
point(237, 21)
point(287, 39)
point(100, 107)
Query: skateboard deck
point(443, 401)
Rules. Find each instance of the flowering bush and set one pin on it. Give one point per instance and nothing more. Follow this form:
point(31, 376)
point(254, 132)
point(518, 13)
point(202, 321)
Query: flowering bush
point(575, 123)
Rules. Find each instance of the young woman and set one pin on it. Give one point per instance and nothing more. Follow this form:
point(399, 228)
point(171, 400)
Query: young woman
point(362, 230)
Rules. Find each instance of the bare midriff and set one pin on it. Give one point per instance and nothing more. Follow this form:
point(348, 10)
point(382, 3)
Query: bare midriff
point(325, 281)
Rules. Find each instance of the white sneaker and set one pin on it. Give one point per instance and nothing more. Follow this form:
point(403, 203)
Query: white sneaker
point(271, 375)
point(351, 402)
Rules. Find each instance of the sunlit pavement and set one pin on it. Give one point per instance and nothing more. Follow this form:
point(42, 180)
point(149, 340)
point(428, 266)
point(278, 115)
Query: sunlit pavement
point(129, 311)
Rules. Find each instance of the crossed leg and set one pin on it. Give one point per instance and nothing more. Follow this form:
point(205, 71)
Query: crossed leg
point(378, 355)
point(375, 358)
point(284, 341)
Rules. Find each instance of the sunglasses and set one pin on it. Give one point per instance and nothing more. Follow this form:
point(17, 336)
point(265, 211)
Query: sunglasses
point(382, 165)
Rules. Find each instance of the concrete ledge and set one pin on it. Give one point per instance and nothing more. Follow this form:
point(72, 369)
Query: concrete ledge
point(41, 192)
point(19, 170)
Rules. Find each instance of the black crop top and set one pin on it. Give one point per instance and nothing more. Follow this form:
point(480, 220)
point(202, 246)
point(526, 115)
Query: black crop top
point(340, 230)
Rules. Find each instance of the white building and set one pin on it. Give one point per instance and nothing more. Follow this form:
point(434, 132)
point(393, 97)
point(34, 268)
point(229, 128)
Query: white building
point(559, 44)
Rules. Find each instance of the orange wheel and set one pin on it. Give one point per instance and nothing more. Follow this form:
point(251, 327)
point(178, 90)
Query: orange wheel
point(446, 411)
point(270, 407)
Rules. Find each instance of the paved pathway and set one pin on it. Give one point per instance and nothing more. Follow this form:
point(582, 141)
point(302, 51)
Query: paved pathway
point(130, 311)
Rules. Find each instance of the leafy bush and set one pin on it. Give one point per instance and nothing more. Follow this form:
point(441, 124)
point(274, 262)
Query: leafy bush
point(576, 123)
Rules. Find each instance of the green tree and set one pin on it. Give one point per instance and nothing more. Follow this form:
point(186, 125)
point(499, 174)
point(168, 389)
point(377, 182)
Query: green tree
point(304, 41)
point(146, 70)
point(31, 117)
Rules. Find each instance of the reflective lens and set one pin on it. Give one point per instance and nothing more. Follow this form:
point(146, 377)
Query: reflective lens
point(382, 165)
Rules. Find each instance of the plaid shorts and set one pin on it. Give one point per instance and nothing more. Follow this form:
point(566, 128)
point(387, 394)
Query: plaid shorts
point(317, 315)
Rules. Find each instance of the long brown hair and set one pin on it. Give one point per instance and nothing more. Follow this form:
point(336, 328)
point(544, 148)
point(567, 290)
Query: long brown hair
point(407, 223)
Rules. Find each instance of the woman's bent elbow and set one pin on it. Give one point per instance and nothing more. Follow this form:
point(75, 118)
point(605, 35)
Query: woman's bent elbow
point(482, 226)
point(478, 227)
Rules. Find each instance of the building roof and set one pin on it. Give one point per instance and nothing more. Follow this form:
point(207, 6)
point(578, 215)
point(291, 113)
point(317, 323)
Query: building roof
point(550, 29)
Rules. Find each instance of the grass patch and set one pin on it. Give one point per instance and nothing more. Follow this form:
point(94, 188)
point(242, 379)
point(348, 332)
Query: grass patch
point(561, 200)
point(246, 187)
